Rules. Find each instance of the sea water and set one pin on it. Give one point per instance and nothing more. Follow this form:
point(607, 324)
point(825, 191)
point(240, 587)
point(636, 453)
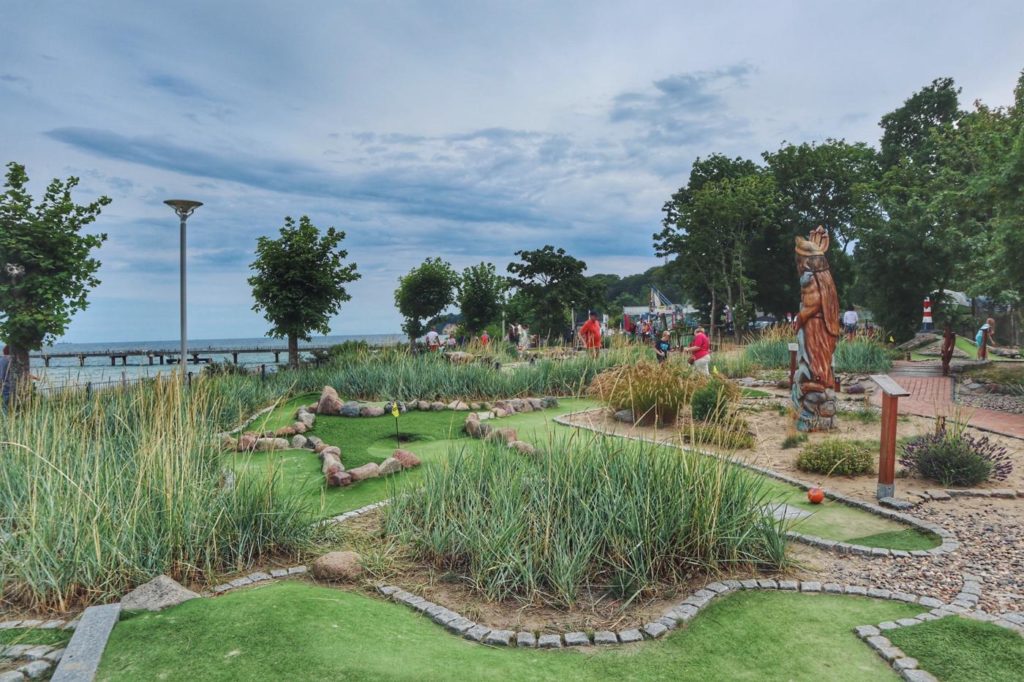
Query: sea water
point(98, 370)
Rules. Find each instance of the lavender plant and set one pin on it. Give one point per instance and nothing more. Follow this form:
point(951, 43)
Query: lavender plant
point(956, 458)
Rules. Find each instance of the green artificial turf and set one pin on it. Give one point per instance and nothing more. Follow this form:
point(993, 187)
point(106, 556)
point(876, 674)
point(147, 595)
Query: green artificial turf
point(35, 636)
point(372, 439)
point(295, 631)
point(754, 393)
point(964, 650)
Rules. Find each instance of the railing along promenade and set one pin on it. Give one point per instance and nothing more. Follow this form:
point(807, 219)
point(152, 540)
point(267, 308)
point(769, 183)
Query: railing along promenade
point(167, 357)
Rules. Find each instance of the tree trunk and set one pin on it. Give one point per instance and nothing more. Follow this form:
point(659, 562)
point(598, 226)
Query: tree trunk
point(293, 351)
point(711, 330)
point(19, 371)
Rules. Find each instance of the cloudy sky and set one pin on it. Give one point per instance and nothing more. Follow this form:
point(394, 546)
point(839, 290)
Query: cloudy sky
point(466, 130)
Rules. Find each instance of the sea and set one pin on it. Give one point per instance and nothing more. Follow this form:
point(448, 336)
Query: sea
point(99, 372)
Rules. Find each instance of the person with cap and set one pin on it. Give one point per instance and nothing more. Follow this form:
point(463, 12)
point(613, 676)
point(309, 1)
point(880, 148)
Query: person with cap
point(984, 339)
point(590, 332)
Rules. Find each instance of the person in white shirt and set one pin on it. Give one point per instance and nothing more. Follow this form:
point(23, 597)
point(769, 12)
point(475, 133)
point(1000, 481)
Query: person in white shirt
point(433, 340)
point(850, 320)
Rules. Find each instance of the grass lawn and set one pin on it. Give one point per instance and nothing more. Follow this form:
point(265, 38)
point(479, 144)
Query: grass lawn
point(372, 439)
point(295, 631)
point(23, 636)
point(964, 650)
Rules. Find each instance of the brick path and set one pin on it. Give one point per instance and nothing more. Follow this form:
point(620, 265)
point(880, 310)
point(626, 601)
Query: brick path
point(931, 394)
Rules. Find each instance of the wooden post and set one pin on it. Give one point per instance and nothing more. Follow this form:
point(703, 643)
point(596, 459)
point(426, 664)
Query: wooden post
point(793, 349)
point(891, 393)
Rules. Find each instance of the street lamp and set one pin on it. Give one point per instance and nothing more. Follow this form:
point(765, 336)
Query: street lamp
point(184, 208)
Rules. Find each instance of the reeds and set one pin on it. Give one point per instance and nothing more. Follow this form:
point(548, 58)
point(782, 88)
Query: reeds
point(98, 495)
point(862, 353)
point(586, 514)
point(655, 393)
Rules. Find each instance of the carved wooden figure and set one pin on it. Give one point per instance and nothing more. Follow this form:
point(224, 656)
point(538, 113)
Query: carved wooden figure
point(817, 331)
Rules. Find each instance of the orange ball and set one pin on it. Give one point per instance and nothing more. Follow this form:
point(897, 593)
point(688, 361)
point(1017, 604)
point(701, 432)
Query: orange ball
point(816, 495)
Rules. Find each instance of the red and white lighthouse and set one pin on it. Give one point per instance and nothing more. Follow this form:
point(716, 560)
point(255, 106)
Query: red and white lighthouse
point(926, 319)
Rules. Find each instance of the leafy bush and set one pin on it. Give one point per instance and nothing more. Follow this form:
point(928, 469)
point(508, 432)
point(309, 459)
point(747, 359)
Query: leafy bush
point(586, 513)
point(656, 393)
point(956, 458)
point(838, 456)
point(711, 402)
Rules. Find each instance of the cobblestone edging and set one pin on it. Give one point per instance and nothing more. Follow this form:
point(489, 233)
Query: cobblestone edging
point(680, 614)
point(965, 604)
point(949, 541)
point(37, 659)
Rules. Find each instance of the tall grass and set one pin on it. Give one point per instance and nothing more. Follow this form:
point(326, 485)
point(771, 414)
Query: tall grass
point(770, 350)
point(99, 495)
point(587, 513)
point(655, 393)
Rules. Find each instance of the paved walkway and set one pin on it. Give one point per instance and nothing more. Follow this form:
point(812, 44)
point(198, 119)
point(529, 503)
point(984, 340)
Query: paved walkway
point(931, 394)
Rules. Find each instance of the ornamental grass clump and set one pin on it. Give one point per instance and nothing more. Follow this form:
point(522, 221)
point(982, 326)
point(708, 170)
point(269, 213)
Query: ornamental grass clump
point(590, 515)
point(770, 348)
point(655, 393)
point(861, 354)
point(713, 401)
point(955, 458)
point(100, 494)
point(839, 457)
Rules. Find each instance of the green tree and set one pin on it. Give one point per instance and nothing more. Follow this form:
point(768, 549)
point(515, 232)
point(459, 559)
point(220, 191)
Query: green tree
point(918, 249)
point(300, 281)
point(481, 295)
point(46, 263)
point(427, 290)
point(549, 284)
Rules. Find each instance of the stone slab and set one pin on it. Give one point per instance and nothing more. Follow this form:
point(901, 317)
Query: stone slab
point(81, 658)
point(550, 642)
point(577, 639)
point(605, 637)
point(526, 640)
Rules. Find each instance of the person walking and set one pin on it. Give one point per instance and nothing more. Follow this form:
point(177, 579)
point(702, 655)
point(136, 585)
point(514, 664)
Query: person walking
point(485, 339)
point(985, 338)
point(590, 332)
point(6, 378)
point(663, 346)
point(433, 340)
point(850, 320)
point(700, 351)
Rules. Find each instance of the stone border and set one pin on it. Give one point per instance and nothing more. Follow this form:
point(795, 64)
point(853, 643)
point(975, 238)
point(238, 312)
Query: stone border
point(81, 657)
point(678, 615)
point(40, 658)
point(965, 604)
point(949, 541)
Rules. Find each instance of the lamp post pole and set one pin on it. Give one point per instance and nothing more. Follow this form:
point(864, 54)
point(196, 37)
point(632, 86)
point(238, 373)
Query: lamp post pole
point(183, 208)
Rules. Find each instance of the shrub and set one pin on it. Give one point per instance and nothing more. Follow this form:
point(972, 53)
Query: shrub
point(862, 354)
point(656, 393)
point(711, 402)
point(793, 440)
point(838, 456)
point(956, 458)
point(604, 513)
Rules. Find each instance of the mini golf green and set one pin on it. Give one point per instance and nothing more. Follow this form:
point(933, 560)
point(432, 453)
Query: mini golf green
point(296, 631)
point(955, 648)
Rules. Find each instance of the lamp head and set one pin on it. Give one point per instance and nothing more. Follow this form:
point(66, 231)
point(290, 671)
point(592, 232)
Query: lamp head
point(183, 207)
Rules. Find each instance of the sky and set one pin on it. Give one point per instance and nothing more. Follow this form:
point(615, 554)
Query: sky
point(462, 129)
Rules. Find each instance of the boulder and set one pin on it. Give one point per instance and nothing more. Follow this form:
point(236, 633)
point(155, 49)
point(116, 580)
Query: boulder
point(300, 427)
point(535, 403)
point(298, 442)
point(368, 470)
point(523, 447)
point(854, 389)
point(475, 407)
point(284, 432)
point(390, 466)
point(459, 357)
point(549, 402)
point(506, 436)
point(499, 412)
point(472, 426)
point(458, 406)
point(516, 404)
point(371, 411)
point(228, 443)
point(335, 477)
point(485, 429)
point(247, 442)
point(625, 416)
point(313, 407)
point(307, 418)
point(313, 441)
point(320, 447)
point(524, 406)
point(330, 451)
point(271, 444)
point(437, 406)
point(502, 405)
point(407, 459)
point(159, 593)
point(350, 409)
point(422, 406)
point(329, 402)
point(340, 566)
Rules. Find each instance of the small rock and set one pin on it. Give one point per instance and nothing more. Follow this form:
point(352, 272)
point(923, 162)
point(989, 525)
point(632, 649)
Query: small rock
point(437, 406)
point(307, 418)
point(526, 639)
point(299, 427)
point(159, 593)
point(550, 642)
point(271, 444)
point(351, 409)
point(247, 442)
point(298, 442)
point(506, 435)
point(340, 566)
point(329, 402)
point(368, 470)
point(624, 416)
point(459, 406)
point(407, 459)
point(371, 411)
point(854, 389)
point(285, 432)
point(523, 447)
point(389, 466)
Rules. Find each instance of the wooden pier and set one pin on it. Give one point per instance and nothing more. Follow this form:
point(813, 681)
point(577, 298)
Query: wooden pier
point(167, 357)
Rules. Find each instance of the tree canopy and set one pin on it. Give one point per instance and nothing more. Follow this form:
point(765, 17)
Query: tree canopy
point(425, 292)
point(481, 295)
point(299, 281)
point(46, 262)
point(549, 283)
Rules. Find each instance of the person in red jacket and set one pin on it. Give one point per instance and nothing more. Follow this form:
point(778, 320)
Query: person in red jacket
point(590, 332)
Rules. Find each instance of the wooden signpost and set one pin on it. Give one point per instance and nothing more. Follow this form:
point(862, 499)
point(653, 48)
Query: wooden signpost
point(891, 393)
point(793, 348)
